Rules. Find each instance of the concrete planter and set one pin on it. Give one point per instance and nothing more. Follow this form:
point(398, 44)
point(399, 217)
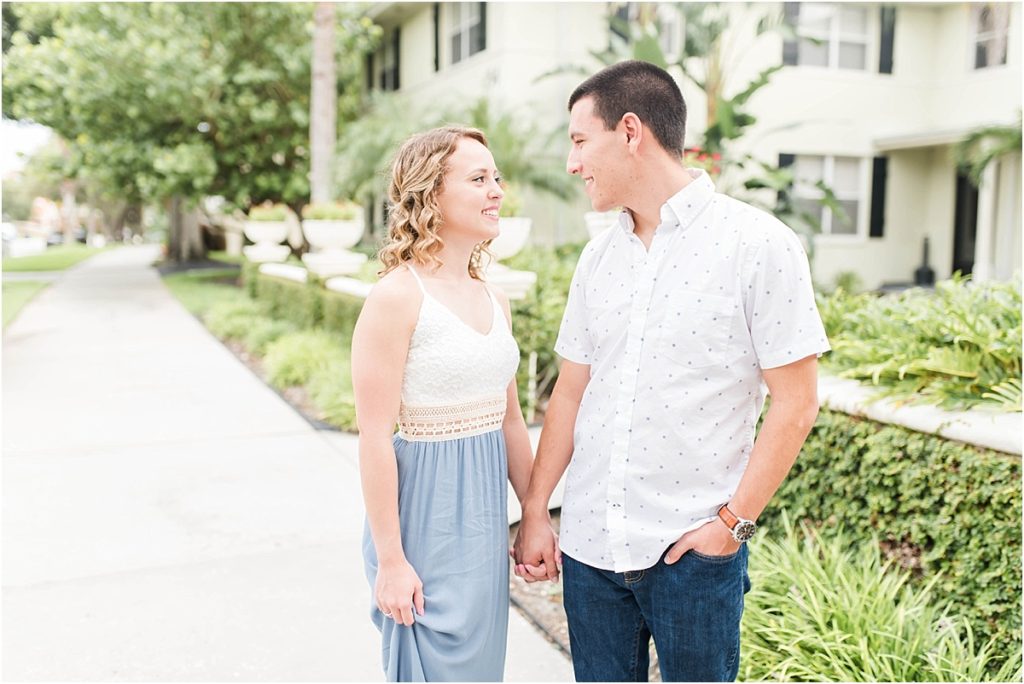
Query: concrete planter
point(268, 236)
point(513, 232)
point(333, 234)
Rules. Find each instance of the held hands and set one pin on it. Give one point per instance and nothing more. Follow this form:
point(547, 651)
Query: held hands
point(535, 551)
point(710, 539)
point(398, 590)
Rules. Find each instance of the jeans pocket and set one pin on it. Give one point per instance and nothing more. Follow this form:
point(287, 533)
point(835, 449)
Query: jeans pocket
point(714, 559)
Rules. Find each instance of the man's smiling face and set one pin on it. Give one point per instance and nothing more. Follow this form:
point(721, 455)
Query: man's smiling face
point(597, 155)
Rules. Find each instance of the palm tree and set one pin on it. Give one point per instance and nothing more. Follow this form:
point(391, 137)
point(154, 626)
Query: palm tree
point(981, 147)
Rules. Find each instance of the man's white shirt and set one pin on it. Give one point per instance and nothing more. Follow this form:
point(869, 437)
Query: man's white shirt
point(676, 338)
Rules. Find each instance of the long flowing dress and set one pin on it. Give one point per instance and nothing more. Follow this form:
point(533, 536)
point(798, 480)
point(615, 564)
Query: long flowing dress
point(452, 498)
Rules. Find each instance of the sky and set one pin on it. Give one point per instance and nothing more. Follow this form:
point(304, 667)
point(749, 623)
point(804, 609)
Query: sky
point(19, 139)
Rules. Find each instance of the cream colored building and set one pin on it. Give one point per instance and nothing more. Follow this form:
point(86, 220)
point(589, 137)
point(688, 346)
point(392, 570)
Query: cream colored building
point(872, 105)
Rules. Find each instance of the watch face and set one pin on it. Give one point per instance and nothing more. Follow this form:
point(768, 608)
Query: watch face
point(744, 530)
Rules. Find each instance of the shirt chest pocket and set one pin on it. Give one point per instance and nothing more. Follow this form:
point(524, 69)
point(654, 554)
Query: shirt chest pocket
point(697, 328)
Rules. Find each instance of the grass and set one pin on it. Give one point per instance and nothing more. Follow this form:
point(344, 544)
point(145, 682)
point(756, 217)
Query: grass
point(823, 609)
point(200, 290)
point(16, 294)
point(55, 258)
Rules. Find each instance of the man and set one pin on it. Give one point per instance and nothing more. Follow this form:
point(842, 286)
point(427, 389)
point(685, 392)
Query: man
point(675, 318)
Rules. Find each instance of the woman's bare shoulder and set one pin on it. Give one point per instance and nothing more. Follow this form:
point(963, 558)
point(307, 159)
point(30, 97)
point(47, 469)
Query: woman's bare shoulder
point(397, 292)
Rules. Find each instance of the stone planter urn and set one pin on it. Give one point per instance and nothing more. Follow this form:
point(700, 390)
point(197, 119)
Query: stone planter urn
point(267, 236)
point(513, 232)
point(331, 240)
point(599, 221)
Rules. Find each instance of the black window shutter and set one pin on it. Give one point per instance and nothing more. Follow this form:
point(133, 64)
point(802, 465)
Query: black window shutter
point(791, 48)
point(879, 173)
point(396, 37)
point(785, 160)
point(369, 72)
point(437, 36)
point(483, 26)
point(888, 31)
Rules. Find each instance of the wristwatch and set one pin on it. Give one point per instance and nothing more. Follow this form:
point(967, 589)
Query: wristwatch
point(742, 529)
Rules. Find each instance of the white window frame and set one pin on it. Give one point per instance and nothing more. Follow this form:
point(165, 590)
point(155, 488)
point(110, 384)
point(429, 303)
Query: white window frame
point(862, 197)
point(460, 21)
point(835, 35)
point(977, 37)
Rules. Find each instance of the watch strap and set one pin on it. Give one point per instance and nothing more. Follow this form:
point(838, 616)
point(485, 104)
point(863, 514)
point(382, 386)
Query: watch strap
point(728, 517)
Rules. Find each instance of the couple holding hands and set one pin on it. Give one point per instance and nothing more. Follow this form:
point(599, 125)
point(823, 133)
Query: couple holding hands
point(678, 319)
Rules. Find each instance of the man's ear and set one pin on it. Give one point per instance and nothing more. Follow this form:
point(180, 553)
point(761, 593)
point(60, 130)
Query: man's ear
point(634, 130)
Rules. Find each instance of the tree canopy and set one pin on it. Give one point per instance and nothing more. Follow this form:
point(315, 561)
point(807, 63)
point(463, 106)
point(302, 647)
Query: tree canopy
point(179, 99)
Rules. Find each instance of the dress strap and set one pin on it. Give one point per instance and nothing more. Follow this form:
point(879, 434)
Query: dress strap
point(417, 277)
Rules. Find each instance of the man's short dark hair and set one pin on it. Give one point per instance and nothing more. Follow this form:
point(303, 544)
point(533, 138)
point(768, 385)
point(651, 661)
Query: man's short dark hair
point(644, 89)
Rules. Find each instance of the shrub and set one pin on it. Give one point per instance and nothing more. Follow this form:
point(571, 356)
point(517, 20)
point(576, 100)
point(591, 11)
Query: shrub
point(232, 320)
point(269, 212)
point(332, 211)
point(296, 358)
point(288, 300)
point(537, 317)
point(949, 510)
point(331, 391)
point(823, 608)
point(958, 346)
point(263, 331)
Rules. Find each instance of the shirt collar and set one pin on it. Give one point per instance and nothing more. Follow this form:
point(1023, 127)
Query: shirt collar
point(683, 207)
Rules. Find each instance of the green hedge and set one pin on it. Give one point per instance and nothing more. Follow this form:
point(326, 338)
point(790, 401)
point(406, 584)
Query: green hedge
point(307, 305)
point(537, 317)
point(953, 509)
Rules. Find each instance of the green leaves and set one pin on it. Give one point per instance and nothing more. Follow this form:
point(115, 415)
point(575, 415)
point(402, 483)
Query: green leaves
point(981, 147)
point(947, 512)
point(179, 98)
point(523, 151)
point(953, 347)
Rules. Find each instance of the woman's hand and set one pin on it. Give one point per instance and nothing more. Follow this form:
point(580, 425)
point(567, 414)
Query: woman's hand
point(398, 590)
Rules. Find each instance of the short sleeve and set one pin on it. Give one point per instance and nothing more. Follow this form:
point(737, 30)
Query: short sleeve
point(779, 300)
point(574, 343)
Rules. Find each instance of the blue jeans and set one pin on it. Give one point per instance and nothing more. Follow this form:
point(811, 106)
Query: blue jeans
point(691, 608)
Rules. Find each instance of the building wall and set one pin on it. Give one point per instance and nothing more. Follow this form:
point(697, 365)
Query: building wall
point(804, 110)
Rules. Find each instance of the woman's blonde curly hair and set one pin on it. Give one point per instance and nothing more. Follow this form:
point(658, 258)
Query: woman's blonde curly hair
point(414, 217)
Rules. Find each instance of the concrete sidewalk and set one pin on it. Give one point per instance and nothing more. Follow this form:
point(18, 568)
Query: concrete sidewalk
point(166, 516)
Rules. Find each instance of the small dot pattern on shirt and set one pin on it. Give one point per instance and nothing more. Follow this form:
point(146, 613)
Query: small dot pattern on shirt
point(676, 337)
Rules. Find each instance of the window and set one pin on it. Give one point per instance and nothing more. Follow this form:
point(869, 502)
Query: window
point(387, 62)
point(670, 31)
point(843, 175)
point(990, 25)
point(467, 29)
point(833, 36)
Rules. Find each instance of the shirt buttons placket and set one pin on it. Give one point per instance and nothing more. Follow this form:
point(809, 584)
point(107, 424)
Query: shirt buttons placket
point(629, 375)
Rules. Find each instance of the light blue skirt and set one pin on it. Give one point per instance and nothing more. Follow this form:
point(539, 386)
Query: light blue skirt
point(452, 508)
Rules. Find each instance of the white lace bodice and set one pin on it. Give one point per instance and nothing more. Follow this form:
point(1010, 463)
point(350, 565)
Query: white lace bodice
point(453, 370)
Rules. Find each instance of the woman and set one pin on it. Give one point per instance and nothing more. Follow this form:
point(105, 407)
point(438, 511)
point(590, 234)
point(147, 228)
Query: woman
point(433, 352)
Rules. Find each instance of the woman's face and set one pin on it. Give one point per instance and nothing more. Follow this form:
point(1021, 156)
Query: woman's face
point(471, 193)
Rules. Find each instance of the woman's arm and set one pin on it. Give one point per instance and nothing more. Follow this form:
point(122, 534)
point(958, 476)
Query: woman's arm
point(380, 344)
